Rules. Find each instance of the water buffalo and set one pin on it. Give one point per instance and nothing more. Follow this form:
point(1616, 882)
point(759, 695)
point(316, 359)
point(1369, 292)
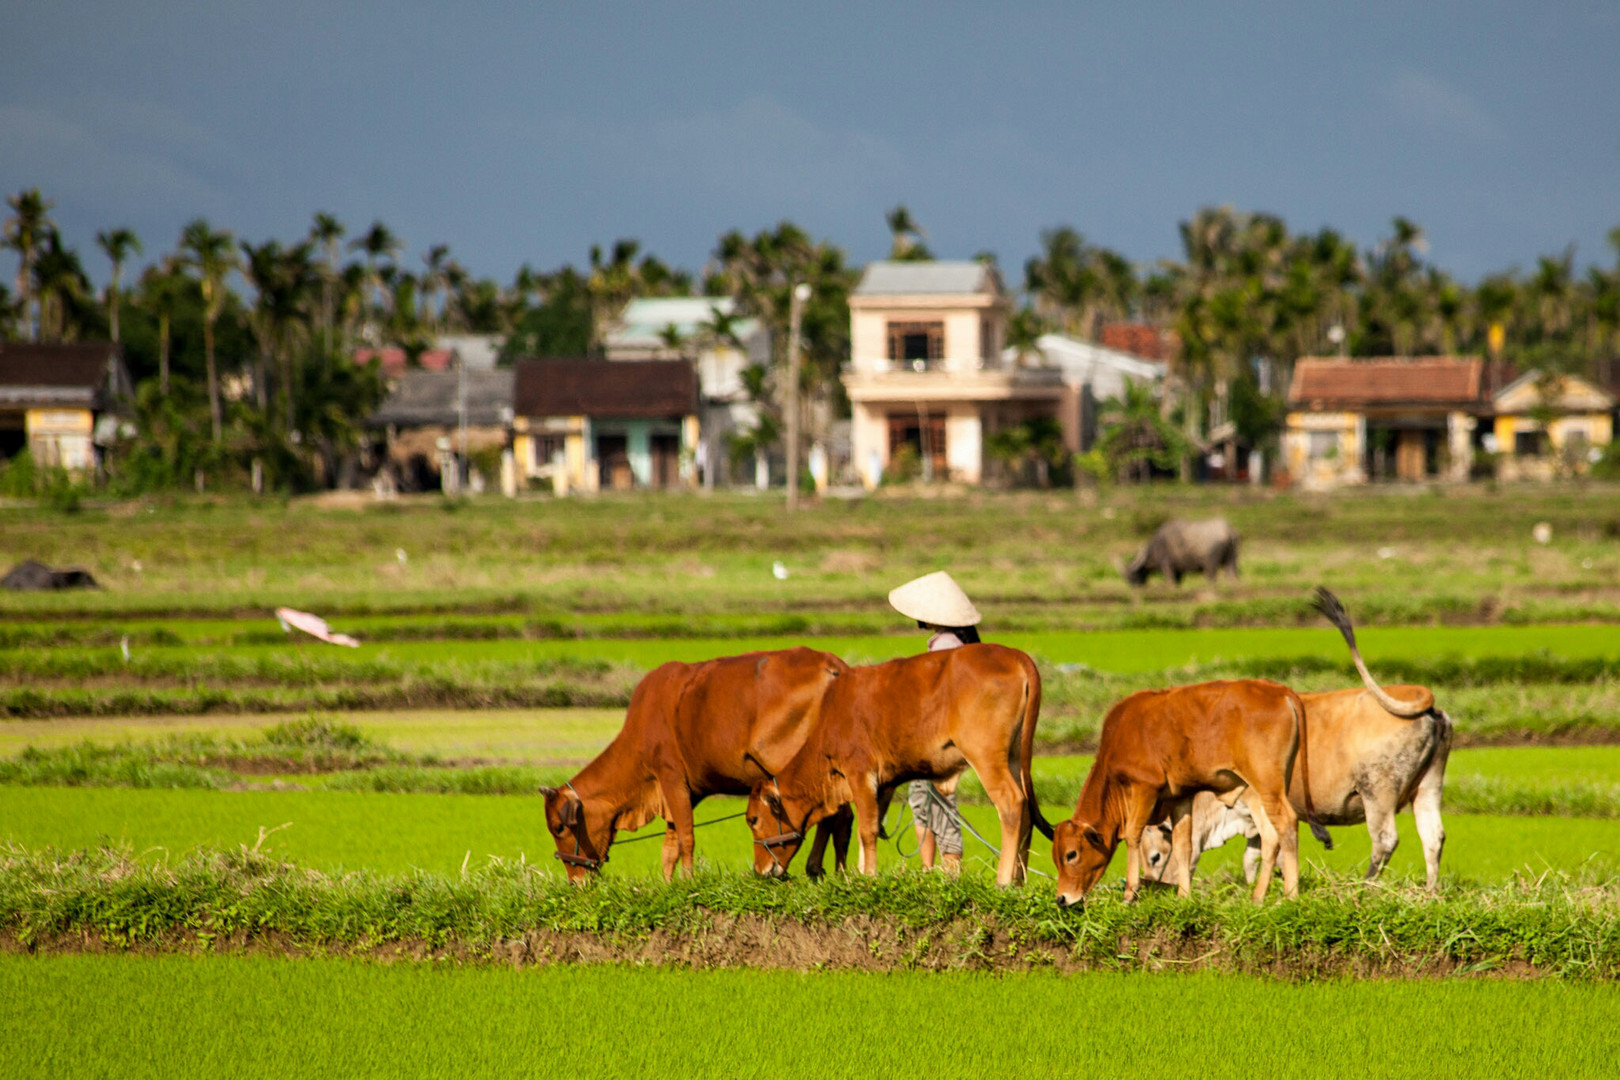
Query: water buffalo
point(920, 718)
point(1158, 749)
point(1373, 751)
point(1186, 547)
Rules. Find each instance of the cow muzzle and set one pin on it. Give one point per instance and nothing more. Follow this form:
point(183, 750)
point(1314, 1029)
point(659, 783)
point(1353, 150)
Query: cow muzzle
point(1064, 901)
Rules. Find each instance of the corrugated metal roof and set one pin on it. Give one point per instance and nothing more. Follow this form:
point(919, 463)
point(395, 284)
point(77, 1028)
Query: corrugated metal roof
point(430, 397)
point(925, 279)
point(606, 389)
point(643, 322)
point(1429, 380)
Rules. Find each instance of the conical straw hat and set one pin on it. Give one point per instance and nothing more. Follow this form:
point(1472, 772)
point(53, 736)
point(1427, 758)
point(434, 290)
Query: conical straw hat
point(935, 599)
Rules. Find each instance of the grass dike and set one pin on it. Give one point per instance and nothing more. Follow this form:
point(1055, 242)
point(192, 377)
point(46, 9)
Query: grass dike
point(107, 900)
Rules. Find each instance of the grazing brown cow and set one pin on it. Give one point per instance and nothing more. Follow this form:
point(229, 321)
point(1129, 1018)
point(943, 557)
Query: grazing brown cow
point(1158, 748)
point(920, 718)
point(693, 730)
point(1373, 751)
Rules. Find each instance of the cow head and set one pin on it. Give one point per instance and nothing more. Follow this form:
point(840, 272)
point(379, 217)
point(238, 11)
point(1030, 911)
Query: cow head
point(778, 823)
point(581, 844)
point(1081, 853)
point(1155, 852)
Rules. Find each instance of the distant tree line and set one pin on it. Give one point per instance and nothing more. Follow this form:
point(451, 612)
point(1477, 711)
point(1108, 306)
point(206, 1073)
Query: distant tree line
point(243, 352)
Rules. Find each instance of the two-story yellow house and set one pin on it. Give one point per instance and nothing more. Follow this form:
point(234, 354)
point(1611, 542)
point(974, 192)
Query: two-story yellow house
point(926, 369)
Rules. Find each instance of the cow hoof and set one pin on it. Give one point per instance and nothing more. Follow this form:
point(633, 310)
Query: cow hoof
point(814, 873)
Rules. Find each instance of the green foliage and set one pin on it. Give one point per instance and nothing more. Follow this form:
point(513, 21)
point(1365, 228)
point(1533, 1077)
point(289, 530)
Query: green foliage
point(1136, 438)
point(1033, 452)
point(560, 326)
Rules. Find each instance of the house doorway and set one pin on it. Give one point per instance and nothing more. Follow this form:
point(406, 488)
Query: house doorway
point(666, 461)
point(921, 439)
point(613, 463)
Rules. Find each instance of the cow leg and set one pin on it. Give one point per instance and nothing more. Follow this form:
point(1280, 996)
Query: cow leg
point(843, 824)
point(678, 816)
point(818, 850)
point(672, 850)
point(866, 816)
point(1269, 841)
point(1426, 808)
point(1380, 807)
point(1139, 813)
point(1181, 839)
point(1007, 794)
point(1286, 825)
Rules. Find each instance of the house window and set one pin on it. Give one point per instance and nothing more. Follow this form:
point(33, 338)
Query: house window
point(1324, 444)
point(925, 441)
point(916, 341)
point(1529, 443)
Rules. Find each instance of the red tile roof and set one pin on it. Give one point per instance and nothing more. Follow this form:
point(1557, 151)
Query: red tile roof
point(623, 389)
point(1430, 380)
point(395, 362)
point(1139, 339)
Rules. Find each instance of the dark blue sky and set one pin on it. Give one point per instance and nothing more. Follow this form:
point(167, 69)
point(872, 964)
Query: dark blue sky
point(524, 131)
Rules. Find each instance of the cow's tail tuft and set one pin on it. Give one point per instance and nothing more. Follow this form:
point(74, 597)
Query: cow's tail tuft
point(1032, 714)
point(1323, 837)
point(1329, 606)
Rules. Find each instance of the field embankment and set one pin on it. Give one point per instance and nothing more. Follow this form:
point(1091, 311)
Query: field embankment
point(105, 900)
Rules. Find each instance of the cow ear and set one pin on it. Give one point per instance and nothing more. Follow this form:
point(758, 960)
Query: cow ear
point(547, 793)
point(1095, 839)
point(568, 813)
point(773, 799)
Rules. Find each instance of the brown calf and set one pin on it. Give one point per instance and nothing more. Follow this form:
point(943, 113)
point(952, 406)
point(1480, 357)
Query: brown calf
point(1158, 748)
point(920, 718)
point(693, 730)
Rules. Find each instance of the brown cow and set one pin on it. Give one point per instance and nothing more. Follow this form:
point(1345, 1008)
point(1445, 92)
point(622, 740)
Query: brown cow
point(693, 730)
point(1373, 751)
point(1158, 748)
point(920, 718)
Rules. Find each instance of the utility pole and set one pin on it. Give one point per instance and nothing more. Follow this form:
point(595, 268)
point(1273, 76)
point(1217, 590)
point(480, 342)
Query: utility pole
point(463, 472)
point(801, 293)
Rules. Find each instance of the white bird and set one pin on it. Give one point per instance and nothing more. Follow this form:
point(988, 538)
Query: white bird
point(779, 571)
point(399, 553)
point(124, 645)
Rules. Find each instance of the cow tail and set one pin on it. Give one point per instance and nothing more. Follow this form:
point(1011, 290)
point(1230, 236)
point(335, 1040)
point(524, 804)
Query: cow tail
point(1323, 837)
point(1329, 606)
point(1032, 714)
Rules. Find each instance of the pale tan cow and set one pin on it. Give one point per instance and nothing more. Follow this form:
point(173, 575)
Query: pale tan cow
point(1373, 752)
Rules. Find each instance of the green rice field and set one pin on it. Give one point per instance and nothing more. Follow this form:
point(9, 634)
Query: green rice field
point(85, 1016)
point(394, 833)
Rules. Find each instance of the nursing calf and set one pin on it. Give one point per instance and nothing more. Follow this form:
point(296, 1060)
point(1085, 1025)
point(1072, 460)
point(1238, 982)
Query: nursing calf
point(693, 730)
point(1373, 752)
point(1159, 748)
point(921, 718)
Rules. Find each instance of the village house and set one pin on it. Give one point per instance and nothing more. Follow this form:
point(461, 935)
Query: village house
point(422, 419)
point(1545, 427)
point(1394, 418)
point(60, 401)
point(686, 328)
point(927, 369)
point(1387, 418)
point(597, 425)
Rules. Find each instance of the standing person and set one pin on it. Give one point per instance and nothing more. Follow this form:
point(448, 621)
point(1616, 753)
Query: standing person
point(938, 604)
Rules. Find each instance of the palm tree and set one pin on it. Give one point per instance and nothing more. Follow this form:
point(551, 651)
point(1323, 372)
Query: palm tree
point(27, 226)
point(377, 243)
point(433, 281)
point(327, 233)
point(213, 255)
point(118, 244)
point(61, 283)
point(906, 237)
point(160, 294)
